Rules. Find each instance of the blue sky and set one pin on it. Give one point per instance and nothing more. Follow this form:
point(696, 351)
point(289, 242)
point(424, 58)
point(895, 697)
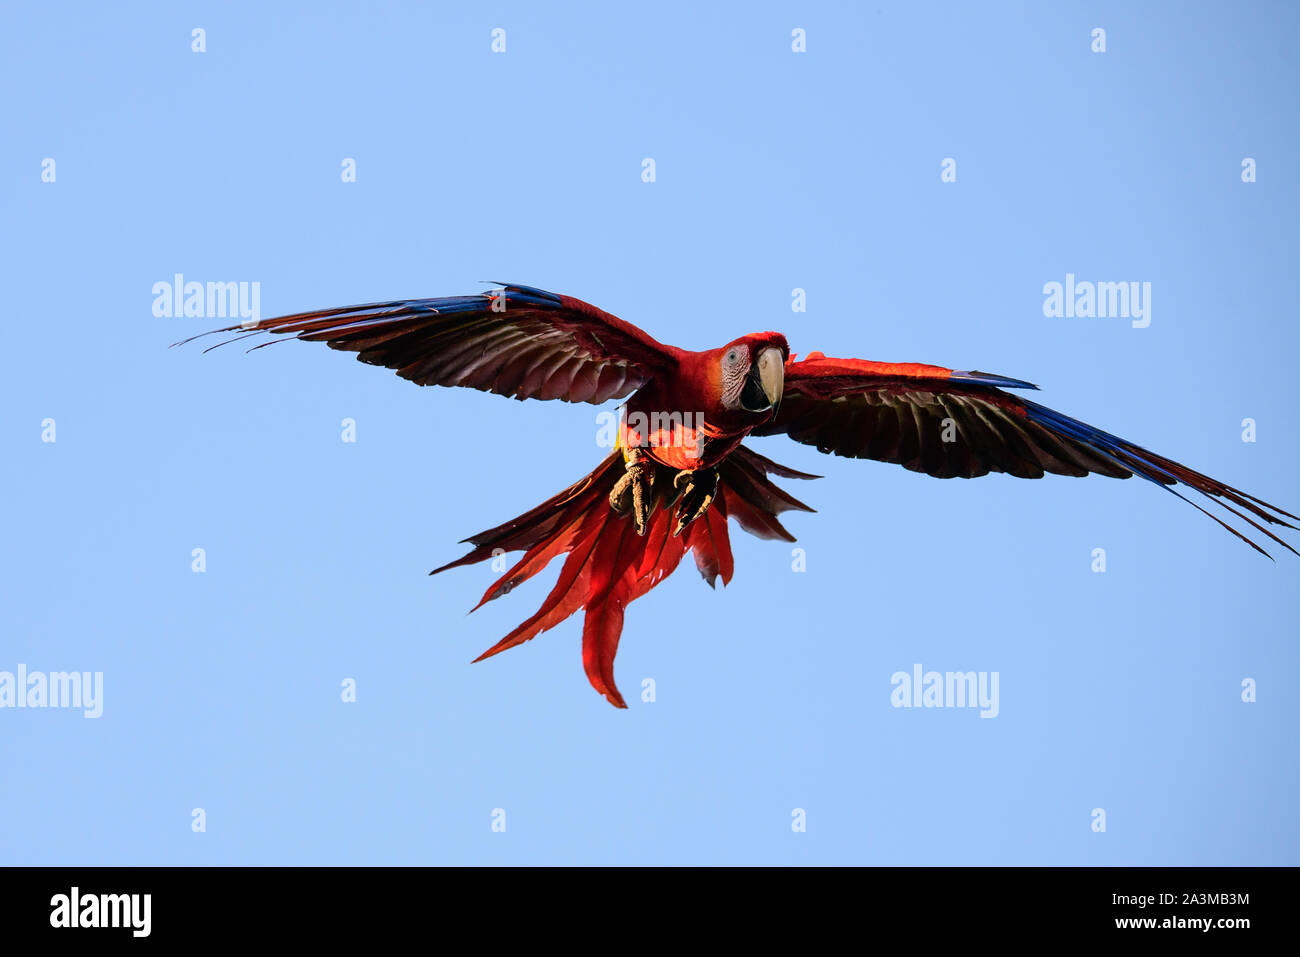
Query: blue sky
point(775, 170)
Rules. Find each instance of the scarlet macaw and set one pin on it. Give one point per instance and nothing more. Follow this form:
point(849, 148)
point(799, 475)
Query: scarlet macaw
point(679, 470)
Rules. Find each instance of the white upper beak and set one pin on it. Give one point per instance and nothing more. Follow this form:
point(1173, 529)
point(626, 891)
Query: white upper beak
point(771, 374)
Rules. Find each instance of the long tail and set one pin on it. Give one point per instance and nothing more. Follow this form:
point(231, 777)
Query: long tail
point(609, 565)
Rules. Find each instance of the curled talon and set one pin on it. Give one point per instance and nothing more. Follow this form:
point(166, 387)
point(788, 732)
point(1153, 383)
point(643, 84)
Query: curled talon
point(701, 485)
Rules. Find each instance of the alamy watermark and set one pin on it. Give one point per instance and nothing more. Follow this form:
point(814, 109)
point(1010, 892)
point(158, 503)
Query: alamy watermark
point(657, 430)
point(77, 909)
point(57, 689)
point(1098, 300)
point(210, 300)
point(946, 689)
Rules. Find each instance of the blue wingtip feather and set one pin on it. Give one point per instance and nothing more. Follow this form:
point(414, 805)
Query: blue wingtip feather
point(988, 378)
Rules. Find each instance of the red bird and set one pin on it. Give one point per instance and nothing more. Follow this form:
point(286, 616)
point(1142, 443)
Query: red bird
point(679, 471)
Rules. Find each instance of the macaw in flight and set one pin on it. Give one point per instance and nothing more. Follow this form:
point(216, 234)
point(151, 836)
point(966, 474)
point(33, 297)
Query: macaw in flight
point(679, 469)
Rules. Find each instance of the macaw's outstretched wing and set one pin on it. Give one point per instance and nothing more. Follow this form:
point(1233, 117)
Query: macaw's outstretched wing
point(515, 340)
point(962, 425)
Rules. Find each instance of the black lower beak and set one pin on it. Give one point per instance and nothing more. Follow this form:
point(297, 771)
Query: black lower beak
point(752, 396)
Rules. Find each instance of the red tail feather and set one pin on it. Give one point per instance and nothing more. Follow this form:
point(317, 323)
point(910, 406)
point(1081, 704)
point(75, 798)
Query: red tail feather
point(608, 565)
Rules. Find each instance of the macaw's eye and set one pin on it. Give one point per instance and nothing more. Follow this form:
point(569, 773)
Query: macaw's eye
point(732, 356)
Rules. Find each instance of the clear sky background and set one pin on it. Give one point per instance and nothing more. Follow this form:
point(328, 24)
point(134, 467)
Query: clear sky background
point(775, 170)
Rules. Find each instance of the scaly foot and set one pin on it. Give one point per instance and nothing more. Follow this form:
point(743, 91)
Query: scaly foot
point(633, 489)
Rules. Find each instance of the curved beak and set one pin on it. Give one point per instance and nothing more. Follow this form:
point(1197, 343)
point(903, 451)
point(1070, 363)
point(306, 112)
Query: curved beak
point(771, 374)
point(764, 382)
